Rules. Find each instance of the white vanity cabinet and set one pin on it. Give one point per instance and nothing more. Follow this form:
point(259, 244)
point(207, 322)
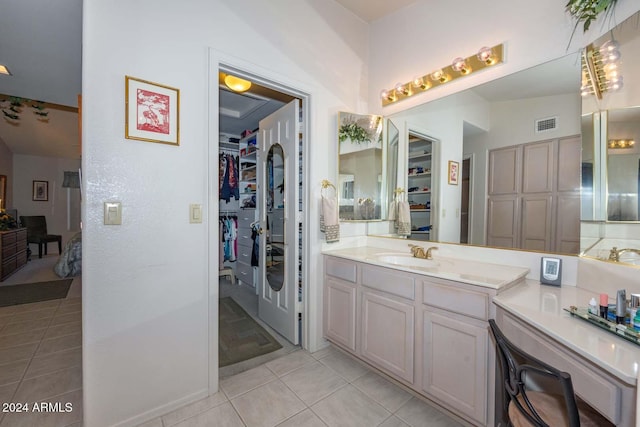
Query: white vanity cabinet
point(387, 318)
point(339, 311)
point(456, 351)
point(429, 334)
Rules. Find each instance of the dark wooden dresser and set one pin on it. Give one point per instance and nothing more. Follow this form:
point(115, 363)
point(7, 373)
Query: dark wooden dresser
point(13, 251)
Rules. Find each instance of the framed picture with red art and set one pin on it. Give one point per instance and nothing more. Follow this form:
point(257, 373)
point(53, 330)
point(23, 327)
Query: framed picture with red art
point(152, 112)
point(454, 170)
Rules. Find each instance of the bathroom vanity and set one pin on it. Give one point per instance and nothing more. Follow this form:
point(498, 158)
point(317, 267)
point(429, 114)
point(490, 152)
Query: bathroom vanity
point(422, 322)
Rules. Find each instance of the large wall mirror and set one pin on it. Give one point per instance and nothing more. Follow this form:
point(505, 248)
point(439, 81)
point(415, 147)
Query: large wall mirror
point(537, 119)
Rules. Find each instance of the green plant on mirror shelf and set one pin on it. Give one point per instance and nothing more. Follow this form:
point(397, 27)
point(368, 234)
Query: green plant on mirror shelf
point(360, 129)
point(13, 106)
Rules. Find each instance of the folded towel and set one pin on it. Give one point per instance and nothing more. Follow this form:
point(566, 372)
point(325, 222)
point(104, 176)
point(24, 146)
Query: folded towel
point(329, 222)
point(403, 220)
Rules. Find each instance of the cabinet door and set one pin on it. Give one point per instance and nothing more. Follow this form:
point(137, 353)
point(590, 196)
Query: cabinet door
point(387, 334)
point(455, 364)
point(537, 167)
point(502, 221)
point(536, 222)
point(340, 312)
point(567, 235)
point(504, 171)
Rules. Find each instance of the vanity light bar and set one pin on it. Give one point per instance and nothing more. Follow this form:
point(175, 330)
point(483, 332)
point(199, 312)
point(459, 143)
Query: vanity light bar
point(621, 143)
point(460, 67)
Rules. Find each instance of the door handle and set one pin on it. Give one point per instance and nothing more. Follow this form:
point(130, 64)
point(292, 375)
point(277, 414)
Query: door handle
point(260, 230)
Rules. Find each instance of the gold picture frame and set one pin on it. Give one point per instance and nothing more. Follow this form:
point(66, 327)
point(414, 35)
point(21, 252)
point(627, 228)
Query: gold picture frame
point(453, 172)
point(152, 112)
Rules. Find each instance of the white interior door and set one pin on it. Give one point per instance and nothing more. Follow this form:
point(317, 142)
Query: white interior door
point(278, 180)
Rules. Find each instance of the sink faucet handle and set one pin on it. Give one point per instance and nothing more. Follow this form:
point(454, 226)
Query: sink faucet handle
point(432, 248)
point(614, 255)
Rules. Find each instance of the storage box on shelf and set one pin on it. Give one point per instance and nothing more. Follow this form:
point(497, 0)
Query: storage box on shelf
point(248, 171)
point(420, 183)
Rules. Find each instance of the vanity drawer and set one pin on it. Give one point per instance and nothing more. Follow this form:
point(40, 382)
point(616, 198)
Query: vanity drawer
point(443, 295)
point(342, 269)
point(391, 281)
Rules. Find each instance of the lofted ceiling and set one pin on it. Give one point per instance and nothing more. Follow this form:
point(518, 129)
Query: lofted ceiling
point(371, 10)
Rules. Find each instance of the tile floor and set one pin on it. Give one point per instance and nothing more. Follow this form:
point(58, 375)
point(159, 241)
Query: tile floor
point(41, 361)
point(41, 353)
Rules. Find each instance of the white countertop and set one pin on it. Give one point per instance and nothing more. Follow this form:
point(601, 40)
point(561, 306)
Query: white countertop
point(488, 275)
point(543, 307)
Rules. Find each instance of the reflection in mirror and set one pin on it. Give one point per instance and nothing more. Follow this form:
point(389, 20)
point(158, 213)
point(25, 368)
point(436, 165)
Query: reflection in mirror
point(359, 167)
point(3, 191)
point(275, 264)
point(527, 118)
point(588, 159)
point(610, 218)
point(391, 170)
point(623, 164)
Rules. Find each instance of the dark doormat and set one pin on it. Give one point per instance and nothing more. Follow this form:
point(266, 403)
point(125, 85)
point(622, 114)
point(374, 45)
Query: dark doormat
point(241, 337)
point(34, 292)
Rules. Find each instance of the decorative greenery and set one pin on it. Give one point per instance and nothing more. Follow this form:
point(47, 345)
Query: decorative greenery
point(354, 132)
point(587, 11)
point(13, 106)
point(7, 221)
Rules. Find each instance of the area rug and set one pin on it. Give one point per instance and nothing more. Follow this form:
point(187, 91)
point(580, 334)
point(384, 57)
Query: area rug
point(34, 292)
point(241, 337)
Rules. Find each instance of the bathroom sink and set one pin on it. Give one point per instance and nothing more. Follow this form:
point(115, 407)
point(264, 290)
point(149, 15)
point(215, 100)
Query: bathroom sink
point(406, 260)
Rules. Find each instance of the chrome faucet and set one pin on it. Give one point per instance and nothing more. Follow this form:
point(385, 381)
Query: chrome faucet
point(614, 254)
point(419, 252)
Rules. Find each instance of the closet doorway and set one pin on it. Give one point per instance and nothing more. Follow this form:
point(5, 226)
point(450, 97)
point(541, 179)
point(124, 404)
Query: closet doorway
point(256, 213)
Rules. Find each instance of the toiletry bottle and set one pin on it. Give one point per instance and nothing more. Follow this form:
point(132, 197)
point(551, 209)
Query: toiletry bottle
point(621, 306)
point(604, 305)
point(632, 315)
point(636, 321)
point(593, 306)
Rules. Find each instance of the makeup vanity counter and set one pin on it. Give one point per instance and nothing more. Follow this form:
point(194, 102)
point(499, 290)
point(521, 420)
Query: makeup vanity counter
point(603, 366)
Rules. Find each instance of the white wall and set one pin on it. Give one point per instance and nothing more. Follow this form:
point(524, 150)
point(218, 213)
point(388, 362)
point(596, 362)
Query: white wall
point(6, 168)
point(146, 283)
point(36, 168)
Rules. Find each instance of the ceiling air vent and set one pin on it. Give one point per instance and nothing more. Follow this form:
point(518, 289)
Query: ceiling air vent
point(545, 125)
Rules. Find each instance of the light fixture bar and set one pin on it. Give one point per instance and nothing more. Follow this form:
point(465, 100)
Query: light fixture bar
point(462, 67)
point(588, 56)
point(4, 70)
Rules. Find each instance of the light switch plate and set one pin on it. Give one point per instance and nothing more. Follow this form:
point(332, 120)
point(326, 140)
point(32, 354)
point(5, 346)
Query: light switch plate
point(195, 214)
point(112, 213)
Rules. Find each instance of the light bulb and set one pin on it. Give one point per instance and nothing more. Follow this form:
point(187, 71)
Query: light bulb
point(611, 56)
point(385, 95)
point(460, 66)
point(585, 90)
point(617, 84)
point(400, 88)
point(419, 82)
point(609, 46)
point(439, 76)
point(485, 55)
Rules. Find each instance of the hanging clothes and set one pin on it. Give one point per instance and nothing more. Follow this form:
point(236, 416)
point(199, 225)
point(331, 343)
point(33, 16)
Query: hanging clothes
point(229, 177)
point(255, 250)
point(229, 237)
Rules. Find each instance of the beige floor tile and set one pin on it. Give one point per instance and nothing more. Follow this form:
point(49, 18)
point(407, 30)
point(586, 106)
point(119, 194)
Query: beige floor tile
point(290, 362)
point(394, 421)
point(305, 418)
point(313, 382)
point(268, 405)
point(350, 407)
point(53, 384)
point(6, 392)
point(192, 409)
point(347, 367)
point(14, 340)
point(24, 308)
point(67, 318)
point(245, 381)
point(327, 351)
point(69, 308)
point(417, 413)
point(221, 416)
point(49, 363)
point(12, 371)
point(63, 410)
point(65, 342)
point(45, 313)
point(71, 300)
point(156, 422)
point(25, 326)
point(64, 329)
point(389, 395)
point(21, 352)
point(7, 311)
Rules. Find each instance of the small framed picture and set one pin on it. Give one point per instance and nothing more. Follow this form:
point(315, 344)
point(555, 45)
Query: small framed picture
point(454, 172)
point(152, 112)
point(40, 191)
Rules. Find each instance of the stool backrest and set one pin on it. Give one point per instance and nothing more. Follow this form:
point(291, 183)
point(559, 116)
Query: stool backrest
point(520, 371)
